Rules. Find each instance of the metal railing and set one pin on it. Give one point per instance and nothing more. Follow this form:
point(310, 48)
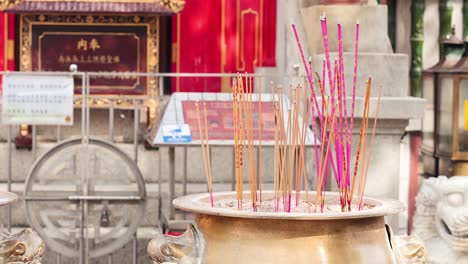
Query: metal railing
point(89, 106)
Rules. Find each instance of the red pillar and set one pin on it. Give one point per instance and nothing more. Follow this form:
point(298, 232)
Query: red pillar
point(7, 42)
point(415, 138)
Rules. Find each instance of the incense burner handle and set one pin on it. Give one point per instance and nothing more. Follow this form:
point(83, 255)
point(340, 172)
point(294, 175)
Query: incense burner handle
point(185, 249)
point(407, 249)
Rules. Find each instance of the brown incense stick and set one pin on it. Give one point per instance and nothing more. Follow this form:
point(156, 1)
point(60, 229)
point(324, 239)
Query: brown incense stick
point(283, 145)
point(237, 150)
point(253, 177)
point(241, 128)
point(323, 165)
point(356, 163)
point(296, 135)
point(364, 144)
point(275, 155)
point(302, 168)
point(207, 146)
point(360, 195)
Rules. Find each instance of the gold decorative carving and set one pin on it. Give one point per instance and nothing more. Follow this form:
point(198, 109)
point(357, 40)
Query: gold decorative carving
point(7, 3)
point(175, 5)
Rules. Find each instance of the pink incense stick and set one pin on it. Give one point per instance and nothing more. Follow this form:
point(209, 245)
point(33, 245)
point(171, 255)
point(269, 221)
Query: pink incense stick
point(353, 100)
point(310, 79)
point(323, 72)
point(308, 73)
point(323, 23)
point(338, 125)
point(345, 112)
point(341, 61)
point(336, 129)
point(324, 68)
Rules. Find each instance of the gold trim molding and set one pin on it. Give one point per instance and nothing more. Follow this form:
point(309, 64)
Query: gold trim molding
point(175, 5)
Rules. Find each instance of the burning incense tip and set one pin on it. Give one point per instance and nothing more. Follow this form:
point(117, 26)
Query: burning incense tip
point(323, 17)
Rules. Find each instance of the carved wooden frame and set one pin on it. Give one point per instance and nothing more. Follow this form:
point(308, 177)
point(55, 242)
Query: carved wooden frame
point(152, 23)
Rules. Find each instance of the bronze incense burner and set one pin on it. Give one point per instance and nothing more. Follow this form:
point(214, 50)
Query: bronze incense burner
point(224, 234)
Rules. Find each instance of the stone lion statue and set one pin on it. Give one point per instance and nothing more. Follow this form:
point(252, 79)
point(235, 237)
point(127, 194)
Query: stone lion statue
point(185, 249)
point(25, 247)
point(441, 219)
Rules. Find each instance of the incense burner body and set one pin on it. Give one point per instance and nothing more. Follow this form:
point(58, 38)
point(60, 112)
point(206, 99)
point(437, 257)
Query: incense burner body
point(228, 235)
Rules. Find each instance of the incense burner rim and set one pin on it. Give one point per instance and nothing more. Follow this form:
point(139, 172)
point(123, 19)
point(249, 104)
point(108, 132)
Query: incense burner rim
point(199, 204)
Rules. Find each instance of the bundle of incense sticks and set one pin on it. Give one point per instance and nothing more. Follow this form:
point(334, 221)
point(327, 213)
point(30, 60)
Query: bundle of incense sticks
point(289, 152)
point(336, 125)
point(289, 149)
point(244, 148)
point(326, 106)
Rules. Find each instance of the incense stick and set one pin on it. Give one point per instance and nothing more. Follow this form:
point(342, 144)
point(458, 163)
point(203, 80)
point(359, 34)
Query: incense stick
point(260, 124)
point(356, 163)
point(353, 100)
point(205, 149)
point(360, 195)
point(236, 138)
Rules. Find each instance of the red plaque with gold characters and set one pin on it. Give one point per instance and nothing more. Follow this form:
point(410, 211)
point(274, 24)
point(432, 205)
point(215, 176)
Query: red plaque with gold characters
point(95, 44)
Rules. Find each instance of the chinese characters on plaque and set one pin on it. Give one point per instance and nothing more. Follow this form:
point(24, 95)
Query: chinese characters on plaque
point(88, 44)
point(37, 99)
point(112, 51)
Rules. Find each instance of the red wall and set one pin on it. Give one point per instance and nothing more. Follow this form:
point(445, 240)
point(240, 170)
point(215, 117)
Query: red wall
point(222, 36)
point(7, 35)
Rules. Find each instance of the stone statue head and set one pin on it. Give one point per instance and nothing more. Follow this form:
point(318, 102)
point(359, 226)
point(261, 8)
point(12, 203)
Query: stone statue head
point(442, 211)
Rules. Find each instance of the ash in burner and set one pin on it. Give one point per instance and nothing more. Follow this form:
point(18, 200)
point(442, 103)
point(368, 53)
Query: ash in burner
point(268, 205)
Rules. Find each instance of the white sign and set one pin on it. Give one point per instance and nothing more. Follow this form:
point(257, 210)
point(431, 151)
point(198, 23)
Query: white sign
point(176, 133)
point(37, 99)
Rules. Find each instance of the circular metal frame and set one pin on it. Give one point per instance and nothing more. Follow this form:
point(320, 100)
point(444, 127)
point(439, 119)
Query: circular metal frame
point(119, 235)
